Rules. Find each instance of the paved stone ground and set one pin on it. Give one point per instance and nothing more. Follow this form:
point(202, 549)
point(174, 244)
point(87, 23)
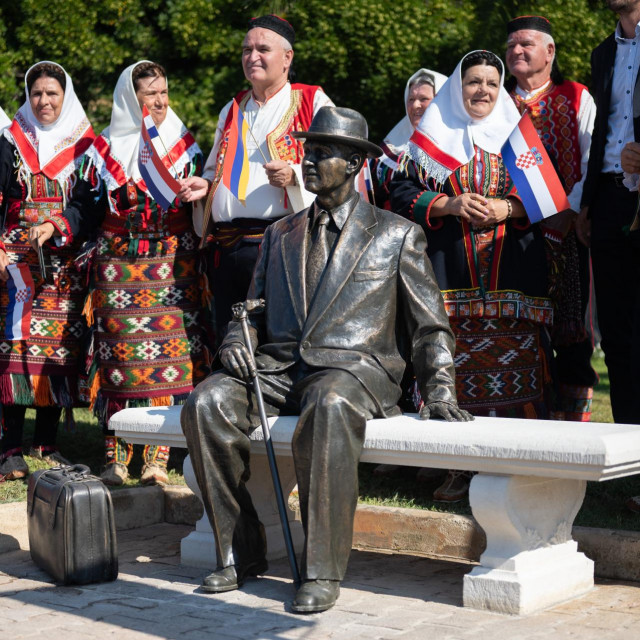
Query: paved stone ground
point(384, 596)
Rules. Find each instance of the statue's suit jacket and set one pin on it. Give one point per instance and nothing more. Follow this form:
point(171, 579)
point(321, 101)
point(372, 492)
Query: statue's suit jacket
point(377, 304)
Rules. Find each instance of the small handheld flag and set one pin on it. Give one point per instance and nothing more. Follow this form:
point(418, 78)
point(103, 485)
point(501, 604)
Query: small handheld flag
point(364, 184)
point(235, 173)
point(162, 186)
point(20, 289)
point(533, 173)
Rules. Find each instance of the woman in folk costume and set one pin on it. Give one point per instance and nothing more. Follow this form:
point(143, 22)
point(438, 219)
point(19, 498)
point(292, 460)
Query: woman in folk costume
point(420, 90)
point(147, 302)
point(488, 259)
point(41, 354)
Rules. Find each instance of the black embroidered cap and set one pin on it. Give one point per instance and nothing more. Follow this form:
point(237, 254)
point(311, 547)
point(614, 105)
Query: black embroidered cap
point(274, 23)
point(535, 23)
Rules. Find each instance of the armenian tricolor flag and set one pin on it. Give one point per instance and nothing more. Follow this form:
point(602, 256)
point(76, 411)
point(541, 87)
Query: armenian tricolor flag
point(235, 174)
point(20, 289)
point(532, 171)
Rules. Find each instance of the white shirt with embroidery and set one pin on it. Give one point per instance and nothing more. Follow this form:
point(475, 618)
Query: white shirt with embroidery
point(263, 201)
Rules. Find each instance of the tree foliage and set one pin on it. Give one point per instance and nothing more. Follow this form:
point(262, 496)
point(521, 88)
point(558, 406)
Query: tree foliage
point(360, 51)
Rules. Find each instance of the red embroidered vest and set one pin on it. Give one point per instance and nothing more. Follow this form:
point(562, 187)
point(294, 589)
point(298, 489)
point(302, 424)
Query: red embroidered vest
point(280, 142)
point(555, 116)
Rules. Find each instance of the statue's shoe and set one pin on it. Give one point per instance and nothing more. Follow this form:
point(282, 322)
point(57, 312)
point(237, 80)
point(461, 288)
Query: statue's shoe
point(316, 595)
point(233, 577)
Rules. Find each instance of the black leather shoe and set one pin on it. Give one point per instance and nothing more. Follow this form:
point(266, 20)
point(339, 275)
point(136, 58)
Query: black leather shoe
point(316, 595)
point(232, 577)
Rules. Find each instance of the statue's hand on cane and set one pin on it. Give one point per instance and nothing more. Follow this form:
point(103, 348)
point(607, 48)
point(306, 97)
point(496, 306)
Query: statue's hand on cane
point(237, 360)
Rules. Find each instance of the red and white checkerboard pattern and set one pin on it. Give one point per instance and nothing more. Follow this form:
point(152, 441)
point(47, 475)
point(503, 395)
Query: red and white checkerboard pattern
point(23, 295)
point(145, 154)
point(525, 160)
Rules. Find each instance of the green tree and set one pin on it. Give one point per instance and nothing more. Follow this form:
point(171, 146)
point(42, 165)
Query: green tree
point(360, 51)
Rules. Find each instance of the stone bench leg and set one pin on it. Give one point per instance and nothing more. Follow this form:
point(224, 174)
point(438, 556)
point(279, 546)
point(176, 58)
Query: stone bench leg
point(198, 548)
point(531, 561)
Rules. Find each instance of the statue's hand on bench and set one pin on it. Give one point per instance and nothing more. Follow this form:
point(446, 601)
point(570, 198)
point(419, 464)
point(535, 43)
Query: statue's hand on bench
point(445, 411)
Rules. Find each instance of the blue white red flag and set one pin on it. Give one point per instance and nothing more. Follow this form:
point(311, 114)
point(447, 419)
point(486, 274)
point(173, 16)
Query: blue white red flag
point(364, 184)
point(162, 186)
point(533, 173)
point(20, 289)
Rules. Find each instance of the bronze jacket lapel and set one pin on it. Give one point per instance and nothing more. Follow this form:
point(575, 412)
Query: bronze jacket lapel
point(294, 249)
point(354, 239)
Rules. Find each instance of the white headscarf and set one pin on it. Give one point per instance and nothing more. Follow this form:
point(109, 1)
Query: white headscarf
point(445, 137)
point(117, 160)
point(5, 120)
point(54, 149)
point(397, 140)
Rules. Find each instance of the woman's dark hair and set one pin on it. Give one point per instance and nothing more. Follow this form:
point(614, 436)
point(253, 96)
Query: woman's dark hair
point(481, 58)
point(147, 70)
point(48, 70)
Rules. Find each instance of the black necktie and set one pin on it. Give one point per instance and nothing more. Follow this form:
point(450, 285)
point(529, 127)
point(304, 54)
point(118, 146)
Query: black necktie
point(318, 255)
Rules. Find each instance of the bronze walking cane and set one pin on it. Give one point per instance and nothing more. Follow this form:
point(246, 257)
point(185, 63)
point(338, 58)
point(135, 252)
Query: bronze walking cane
point(241, 311)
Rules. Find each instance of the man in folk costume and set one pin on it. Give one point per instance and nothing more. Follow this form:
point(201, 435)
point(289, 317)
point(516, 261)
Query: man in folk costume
point(563, 113)
point(273, 108)
point(40, 363)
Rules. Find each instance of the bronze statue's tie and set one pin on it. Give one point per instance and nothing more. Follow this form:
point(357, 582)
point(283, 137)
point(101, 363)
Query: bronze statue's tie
point(318, 256)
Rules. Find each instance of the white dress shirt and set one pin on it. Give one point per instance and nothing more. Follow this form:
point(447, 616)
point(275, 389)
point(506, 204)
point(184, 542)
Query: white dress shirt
point(625, 70)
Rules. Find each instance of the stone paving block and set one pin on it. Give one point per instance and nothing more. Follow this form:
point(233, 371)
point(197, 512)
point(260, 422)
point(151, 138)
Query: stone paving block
point(163, 628)
point(373, 631)
point(26, 613)
point(10, 602)
point(33, 625)
point(200, 634)
point(441, 632)
point(602, 619)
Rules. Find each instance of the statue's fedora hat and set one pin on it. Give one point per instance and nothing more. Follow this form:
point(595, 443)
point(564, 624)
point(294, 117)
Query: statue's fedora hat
point(341, 125)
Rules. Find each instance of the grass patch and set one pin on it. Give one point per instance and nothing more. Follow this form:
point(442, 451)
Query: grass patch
point(603, 505)
point(84, 445)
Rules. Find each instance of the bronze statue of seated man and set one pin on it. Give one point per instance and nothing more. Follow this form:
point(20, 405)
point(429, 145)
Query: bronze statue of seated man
point(350, 297)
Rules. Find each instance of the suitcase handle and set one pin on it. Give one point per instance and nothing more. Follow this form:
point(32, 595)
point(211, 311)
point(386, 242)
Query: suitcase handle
point(73, 472)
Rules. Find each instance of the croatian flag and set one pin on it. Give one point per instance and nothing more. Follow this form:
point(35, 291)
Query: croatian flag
point(162, 186)
point(364, 183)
point(235, 173)
point(533, 173)
point(20, 289)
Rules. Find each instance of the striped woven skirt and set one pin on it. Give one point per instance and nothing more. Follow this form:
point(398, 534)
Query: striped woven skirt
point(501, 367)
point(148, 311)
point(43, 369)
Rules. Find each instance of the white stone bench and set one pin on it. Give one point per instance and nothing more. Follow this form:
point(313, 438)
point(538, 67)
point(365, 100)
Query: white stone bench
point(530, 485)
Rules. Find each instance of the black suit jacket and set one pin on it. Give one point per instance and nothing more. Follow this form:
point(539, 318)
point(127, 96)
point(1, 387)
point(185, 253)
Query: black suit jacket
point(377, 304)
point(603, 59)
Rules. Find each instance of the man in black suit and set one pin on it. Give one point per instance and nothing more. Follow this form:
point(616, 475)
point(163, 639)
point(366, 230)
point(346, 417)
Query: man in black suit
point(608, 207)
point(350, 295)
